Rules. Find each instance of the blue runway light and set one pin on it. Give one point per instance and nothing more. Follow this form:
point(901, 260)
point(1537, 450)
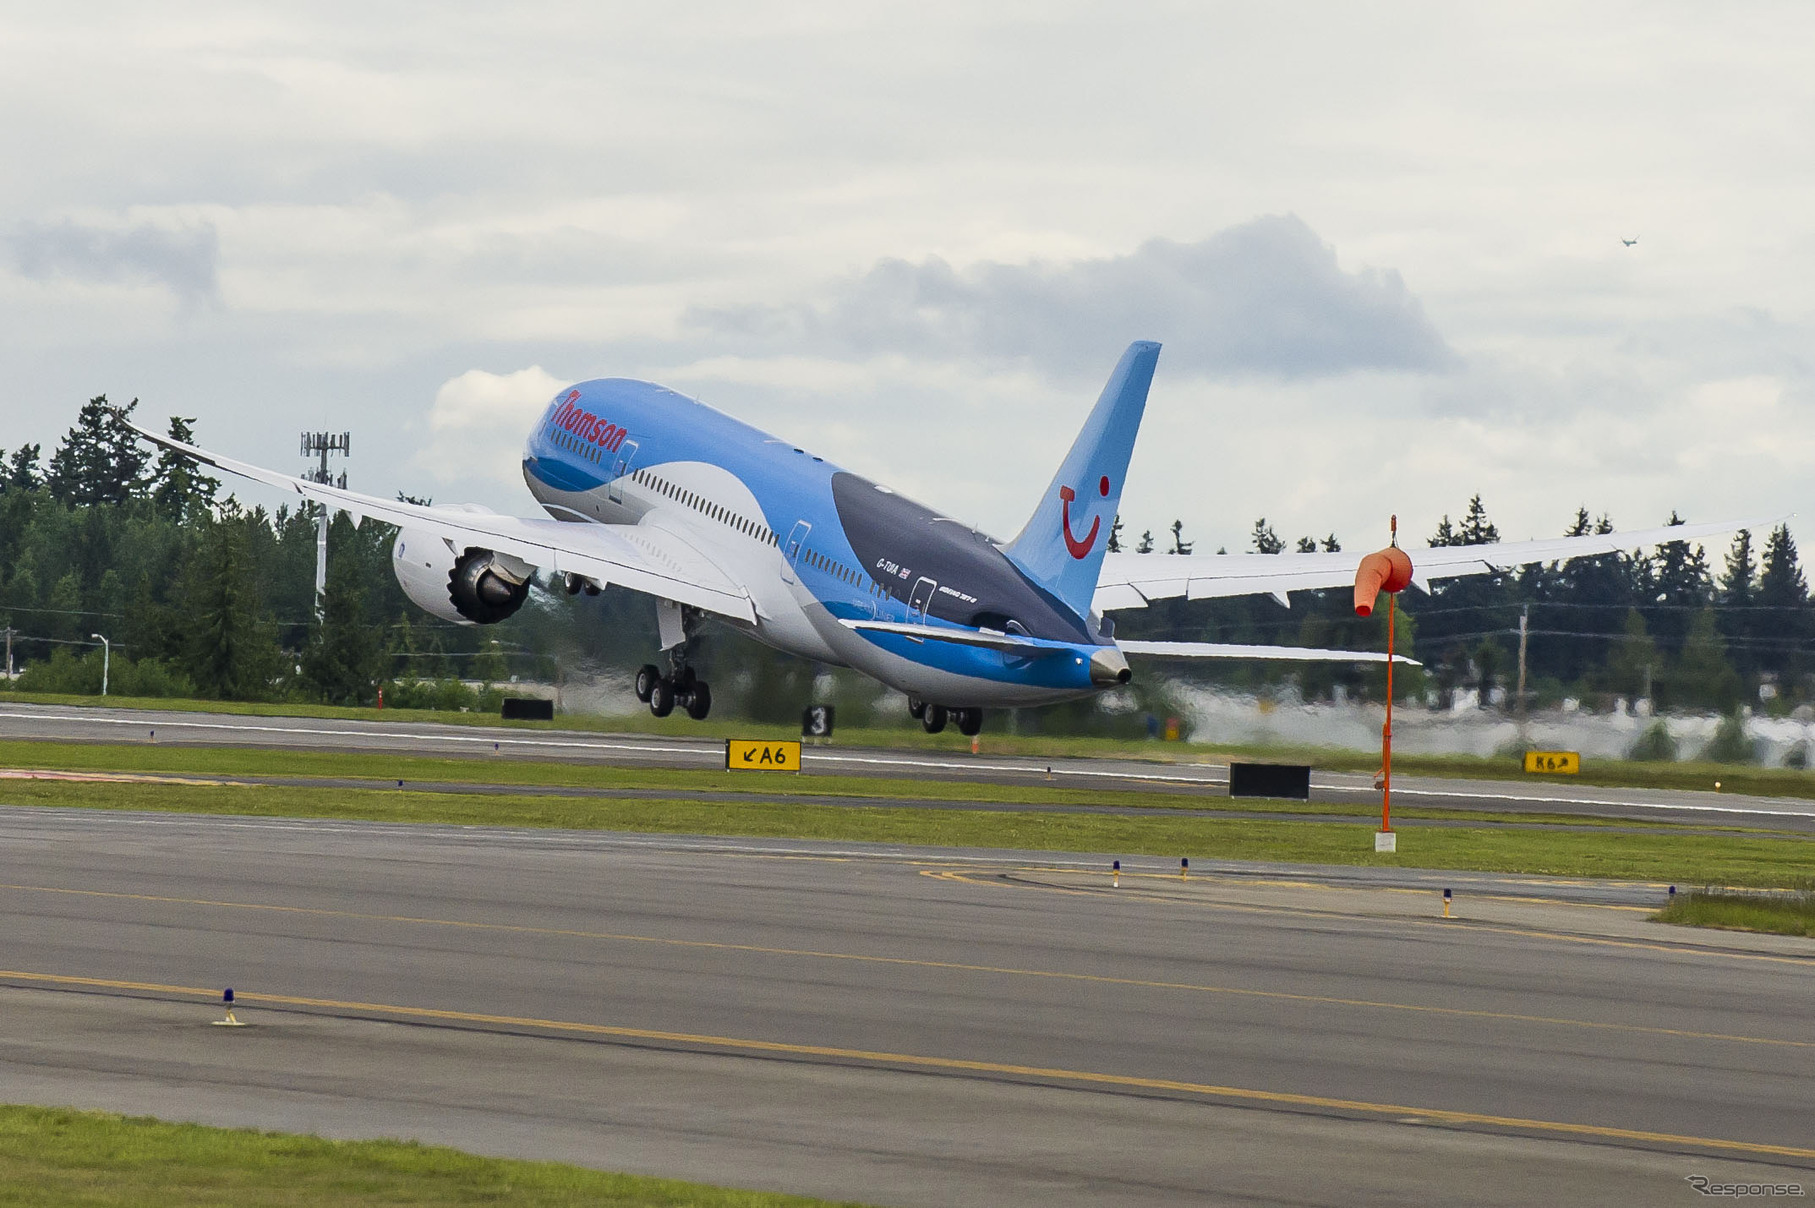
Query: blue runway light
point(227, 1001)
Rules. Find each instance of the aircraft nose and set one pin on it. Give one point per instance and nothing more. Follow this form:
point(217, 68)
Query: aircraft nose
point(1108, 667)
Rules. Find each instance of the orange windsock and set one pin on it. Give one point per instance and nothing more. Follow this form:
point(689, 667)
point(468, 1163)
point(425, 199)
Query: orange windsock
point(1389, 569)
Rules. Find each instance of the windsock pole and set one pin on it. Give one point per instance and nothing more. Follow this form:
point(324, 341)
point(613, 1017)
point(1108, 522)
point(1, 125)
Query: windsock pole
point(1386, 732)
point(1390, 571)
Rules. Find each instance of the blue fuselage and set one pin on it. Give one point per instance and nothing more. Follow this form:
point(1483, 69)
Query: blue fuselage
point(812, 544)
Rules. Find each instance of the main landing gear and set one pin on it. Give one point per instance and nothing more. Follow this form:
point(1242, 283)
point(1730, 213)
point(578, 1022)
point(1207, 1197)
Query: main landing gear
point(665, 693)
point(932, 718)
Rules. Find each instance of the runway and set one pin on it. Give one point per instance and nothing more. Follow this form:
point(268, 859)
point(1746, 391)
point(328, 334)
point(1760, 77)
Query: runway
point(904, 1026)
point(89, 724)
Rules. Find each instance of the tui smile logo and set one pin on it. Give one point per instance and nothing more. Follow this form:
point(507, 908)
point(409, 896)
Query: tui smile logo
point(1080, 549)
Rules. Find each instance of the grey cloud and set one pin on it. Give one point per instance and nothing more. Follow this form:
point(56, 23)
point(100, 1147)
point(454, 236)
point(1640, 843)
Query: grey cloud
point(184, 260)
point(1263, 298)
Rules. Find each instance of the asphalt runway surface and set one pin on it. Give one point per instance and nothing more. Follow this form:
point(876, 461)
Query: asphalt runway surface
point(905, 1026)
point(86, 724)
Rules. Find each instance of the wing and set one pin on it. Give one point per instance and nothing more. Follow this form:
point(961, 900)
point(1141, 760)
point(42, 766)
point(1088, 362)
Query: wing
point(1131, 580)
point(643, 558)
point(1297, 654)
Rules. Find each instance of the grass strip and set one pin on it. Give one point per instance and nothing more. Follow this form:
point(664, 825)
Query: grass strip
point(412, 769)
point(1614, 773)
point(1790, 913)
point(1653, 855)
point(55, 1157)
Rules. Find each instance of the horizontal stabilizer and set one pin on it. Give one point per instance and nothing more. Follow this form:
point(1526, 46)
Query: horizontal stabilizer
point(987, 639)
point(1219, 650)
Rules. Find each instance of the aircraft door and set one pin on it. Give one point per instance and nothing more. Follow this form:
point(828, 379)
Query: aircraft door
point(621, 470)
point(920, 600)
point(790, 549)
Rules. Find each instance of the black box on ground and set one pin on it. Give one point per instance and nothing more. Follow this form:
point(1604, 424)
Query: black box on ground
point(1270, 780)
point(528, 708)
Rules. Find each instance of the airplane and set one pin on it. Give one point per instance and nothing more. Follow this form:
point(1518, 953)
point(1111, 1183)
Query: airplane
point(656, 492)
point(1630, 242)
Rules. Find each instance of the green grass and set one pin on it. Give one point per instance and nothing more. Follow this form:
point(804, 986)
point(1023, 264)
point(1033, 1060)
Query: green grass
point(1791, 913)
point(1734, 778)
point(1656, 854)
point(53, 1157)
point(417, 770)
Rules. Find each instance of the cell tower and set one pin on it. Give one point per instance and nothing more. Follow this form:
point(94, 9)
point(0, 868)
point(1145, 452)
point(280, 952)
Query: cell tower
point(320, 444)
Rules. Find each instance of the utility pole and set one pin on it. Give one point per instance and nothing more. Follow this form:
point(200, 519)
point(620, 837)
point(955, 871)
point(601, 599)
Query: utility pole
point(106, 657)
point(320, 444)
point(1524, 625)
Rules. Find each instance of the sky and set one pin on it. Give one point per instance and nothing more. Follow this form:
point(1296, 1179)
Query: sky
point(1382, 244)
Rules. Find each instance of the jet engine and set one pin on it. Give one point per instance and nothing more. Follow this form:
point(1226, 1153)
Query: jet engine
point(470, 586)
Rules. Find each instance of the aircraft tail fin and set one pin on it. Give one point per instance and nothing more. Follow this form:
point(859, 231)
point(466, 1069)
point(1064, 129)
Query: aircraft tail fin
point(1061, 547)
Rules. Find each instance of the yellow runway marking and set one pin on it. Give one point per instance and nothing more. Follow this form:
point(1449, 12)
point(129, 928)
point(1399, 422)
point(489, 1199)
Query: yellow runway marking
point(950, 966)
point(919, 1061)
point(996, 880)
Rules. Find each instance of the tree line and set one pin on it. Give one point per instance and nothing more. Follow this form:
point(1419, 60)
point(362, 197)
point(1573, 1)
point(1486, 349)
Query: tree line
point(1665, 625)
point(201, 595)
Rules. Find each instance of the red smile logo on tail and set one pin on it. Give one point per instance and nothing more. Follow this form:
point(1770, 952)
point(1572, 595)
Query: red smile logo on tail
point(1080, 549)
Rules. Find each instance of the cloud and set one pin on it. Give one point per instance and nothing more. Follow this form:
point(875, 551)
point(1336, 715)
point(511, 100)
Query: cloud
point(184, 260)
point(1263, 298)
point(477, 424)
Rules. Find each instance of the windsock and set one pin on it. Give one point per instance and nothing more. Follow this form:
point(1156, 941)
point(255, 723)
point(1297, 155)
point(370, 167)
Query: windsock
point(1389, 569)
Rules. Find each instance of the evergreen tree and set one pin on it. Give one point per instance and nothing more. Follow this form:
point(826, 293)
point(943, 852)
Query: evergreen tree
point(1265, 540)
point(1146, 545)
point(100, 459)
point(1630, 670)
point(1737, 588)
point(343, 661)
point(1783, 607)
point(22, 471)
point(1736, 581)
point(1476, 528)
point(230, 647)
point(1445, 534)
point(1307, 545)
point(489, 665)
point(1331, 545)
point(178, 487)
point(1115, 535)
point(1179, 544)
point(1702, 677)
point(1780, 582)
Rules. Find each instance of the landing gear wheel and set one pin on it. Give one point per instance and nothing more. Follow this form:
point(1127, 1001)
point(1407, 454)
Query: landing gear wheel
point(699, 701)
point(916, 708)
point(970, 721)
point(661, 697)
point(647, 674)
point(934, 719)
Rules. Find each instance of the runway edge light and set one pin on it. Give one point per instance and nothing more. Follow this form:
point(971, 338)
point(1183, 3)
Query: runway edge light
point(1115, 874)
point(1446, 903)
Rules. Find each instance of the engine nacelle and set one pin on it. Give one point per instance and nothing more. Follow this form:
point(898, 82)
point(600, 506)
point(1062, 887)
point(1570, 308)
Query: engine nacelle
point(472, 586)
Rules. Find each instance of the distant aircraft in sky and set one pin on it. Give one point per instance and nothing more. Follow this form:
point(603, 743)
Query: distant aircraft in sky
point(712, 518)
point(1629, 242)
